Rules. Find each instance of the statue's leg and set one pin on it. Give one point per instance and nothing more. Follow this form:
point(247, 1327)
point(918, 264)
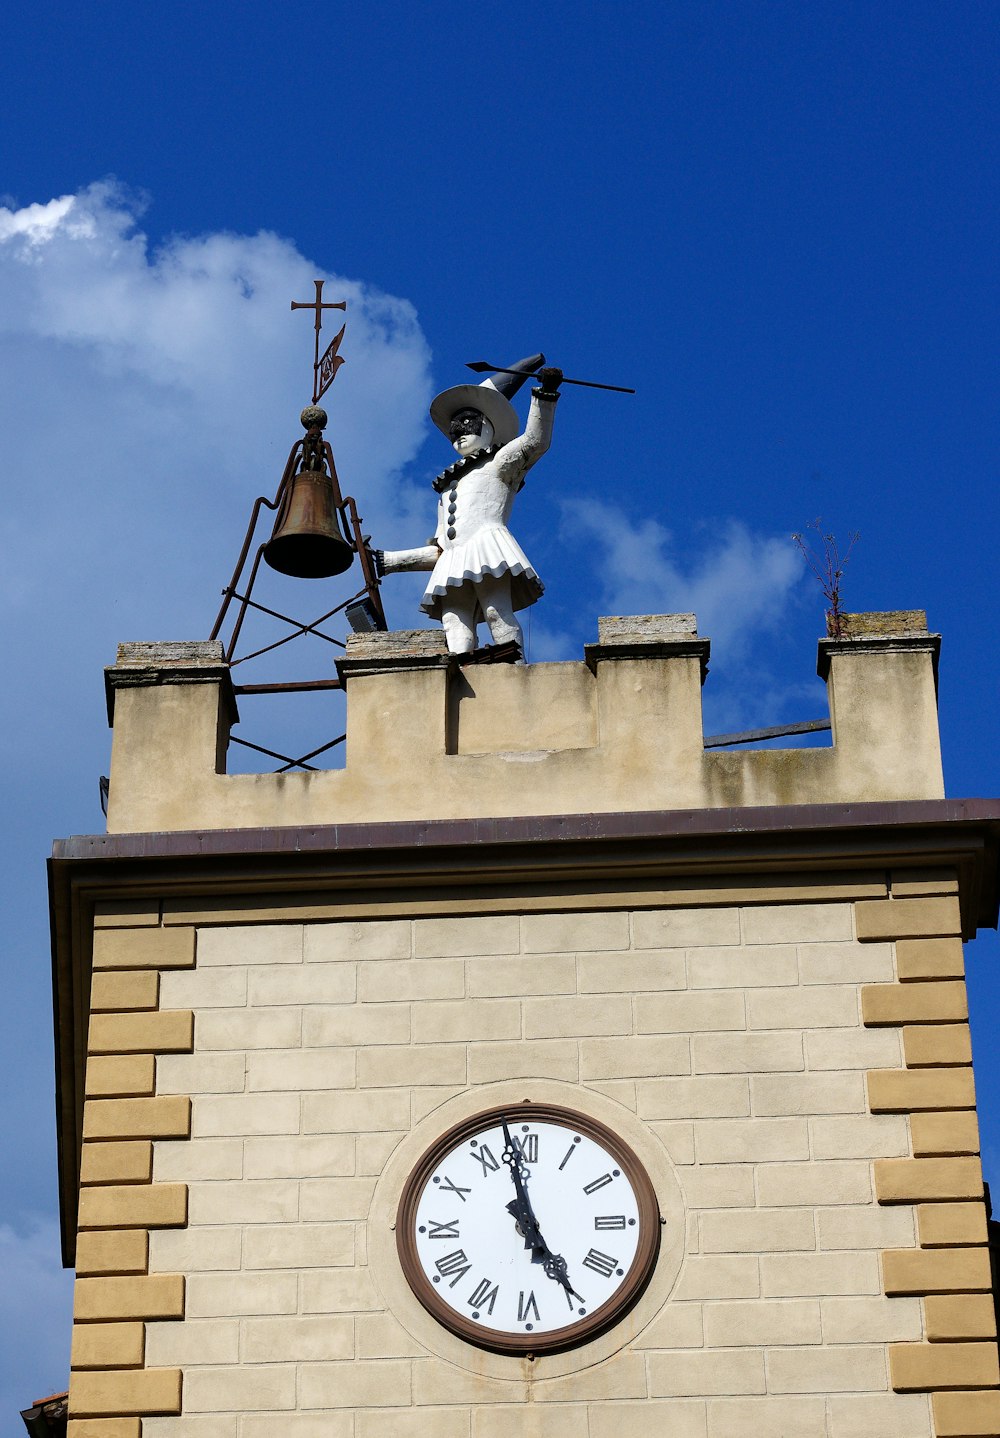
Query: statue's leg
point(458, 619)
point(495, 601)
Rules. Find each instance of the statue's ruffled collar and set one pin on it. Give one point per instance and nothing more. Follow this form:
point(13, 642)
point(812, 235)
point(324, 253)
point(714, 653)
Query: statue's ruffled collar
point(463, 465)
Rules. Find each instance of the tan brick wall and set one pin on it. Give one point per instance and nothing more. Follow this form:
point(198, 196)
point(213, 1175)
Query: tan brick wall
point(731, 1035)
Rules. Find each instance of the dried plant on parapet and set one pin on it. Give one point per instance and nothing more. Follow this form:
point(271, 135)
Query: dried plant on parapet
point(827, 564)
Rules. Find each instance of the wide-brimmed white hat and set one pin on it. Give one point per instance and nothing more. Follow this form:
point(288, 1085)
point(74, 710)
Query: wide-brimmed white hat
point(489, 398)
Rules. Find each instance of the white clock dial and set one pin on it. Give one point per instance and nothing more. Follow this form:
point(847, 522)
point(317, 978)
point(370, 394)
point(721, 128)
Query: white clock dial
point(532, 1240)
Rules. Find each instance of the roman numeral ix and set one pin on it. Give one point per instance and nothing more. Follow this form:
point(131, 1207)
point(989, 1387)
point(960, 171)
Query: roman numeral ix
point(450, 1230)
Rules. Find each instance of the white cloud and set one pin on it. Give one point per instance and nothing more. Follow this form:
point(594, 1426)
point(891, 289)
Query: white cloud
point(739, 584)
point(36, 1304)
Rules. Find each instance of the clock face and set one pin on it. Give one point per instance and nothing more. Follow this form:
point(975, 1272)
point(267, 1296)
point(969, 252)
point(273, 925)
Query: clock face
point(528, 1228)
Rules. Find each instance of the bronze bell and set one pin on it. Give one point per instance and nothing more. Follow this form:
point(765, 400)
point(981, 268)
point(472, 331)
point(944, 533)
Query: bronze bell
point(307, 542)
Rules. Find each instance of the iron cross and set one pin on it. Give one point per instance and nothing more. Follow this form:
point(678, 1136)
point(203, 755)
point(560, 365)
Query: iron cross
point(326, 366)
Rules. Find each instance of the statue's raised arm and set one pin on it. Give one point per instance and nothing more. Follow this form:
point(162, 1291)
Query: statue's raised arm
point(478, 570)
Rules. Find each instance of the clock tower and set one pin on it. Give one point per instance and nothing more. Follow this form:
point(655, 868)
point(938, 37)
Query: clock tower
point(542, 1071)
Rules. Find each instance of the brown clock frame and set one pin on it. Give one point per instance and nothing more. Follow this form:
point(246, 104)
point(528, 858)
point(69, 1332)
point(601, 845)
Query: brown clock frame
point(574, 1334)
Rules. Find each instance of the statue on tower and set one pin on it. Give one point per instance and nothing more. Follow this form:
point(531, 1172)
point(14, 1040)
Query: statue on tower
point(479, 572)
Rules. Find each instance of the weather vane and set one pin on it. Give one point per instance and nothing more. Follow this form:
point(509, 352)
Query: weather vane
point(325, 366)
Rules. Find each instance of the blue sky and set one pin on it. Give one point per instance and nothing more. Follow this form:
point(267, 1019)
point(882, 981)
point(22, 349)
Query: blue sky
point(777, 221)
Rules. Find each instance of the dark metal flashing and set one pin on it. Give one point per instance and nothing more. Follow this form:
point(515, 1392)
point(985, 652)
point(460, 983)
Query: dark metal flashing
point(509, 857)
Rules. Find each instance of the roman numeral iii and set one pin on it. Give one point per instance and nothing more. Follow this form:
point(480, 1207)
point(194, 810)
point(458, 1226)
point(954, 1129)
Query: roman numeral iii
point(601, 1263)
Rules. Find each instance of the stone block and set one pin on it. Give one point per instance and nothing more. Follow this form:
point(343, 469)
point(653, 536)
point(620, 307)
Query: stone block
point(928, 1180)
point(947, 1225)
point(131, 1076)
point(218, 1390)
point(907, 918)
point(758, 1231)
point(941, 1001)
point(747, 1053)
point(144, 948)
point(875, 1136)
point(305, 1245)
point(246, 1115)
point(419, 1422)
point(776, 1416)
point(336, 1199)
point(814, 1184)
point(818, 1275)
point(141, 1205)
point(139, 1391)
point(735, 968)
point(103, 1428)
point(923, 1366)
point(748, 1140)
point(847, 1369)
point(250, 945)
point(566, 1420)
point(101, 1252)
point(101, 1300)
point(464, 1021)
point(929, 959)
point(117, 1162)
point(777, 1095)
point(107, 1345)
point(124, 989)
point(303, 984)
point(193, 1342)
point(198, 1158)
point(405, 1065)
point(356, 1385)
point(797, 924)
point(854, 1048)
point(293, 1339)
point(356, 1024)
point(941, 1134)
point(398, 980)
point(299, 1157)
point(243, 1202)
point(137, 1118)
point(688, 1374)
point(688, 1013)
point(685, 928)
point(626, 973)
point(887, 1415)
point(544, 1058)
point(301, 1069)
point(650, 1056)
point(909, 1090)
point(472, 937)
point(870, 1227)
point(356, 1111)
point(708, 1096)
point(222, 1029)
point(678, 1325)
point(936, 1270)
point(936, 1045)
point(871, 1320)
point(623, 1376)
point(379, 1335)
point(953, 1317)
point(195, 1250)
point(355, 939)
point(762, 1325)
point(200, 1073)
point(569, 933)
point(235, 1295)
point(577, 1016)
point(347, 1290)
point(724, 1276)
point(846, 963)
point(204, 988)
point(966, 1415)
point(815, 1006)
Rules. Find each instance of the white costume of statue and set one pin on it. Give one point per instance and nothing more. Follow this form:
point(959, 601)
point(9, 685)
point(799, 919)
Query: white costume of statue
point(478, 569)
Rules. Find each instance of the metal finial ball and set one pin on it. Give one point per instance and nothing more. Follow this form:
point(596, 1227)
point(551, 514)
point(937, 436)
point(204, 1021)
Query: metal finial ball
point(313, 417)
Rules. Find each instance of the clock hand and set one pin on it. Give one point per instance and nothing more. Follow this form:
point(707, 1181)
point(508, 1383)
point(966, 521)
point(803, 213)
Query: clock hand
point(520, 1208)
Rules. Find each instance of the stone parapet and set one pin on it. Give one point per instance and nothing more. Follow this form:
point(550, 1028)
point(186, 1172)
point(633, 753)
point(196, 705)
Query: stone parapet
point(428, 740)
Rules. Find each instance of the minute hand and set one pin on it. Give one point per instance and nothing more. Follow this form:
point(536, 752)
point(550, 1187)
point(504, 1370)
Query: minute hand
point(520, 1208)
